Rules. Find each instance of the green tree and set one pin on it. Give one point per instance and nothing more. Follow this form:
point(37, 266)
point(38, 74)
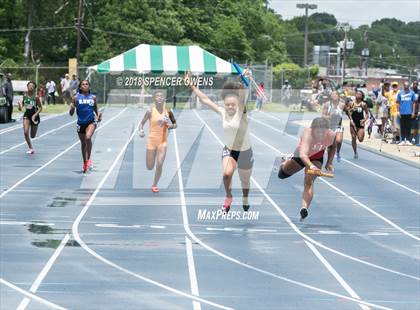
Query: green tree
point(11, 42)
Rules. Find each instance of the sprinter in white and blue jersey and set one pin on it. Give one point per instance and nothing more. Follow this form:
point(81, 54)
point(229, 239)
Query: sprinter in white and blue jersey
point(87, 118)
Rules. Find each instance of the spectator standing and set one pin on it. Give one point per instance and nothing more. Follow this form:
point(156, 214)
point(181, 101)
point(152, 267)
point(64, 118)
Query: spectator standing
point(406, 106)
point(41, 94)
point(393, 112)
point(415, 128)
point(74, 85)
point(66, 88)
point(3, 103)
point(51, 89)
point(260, 96)
point(286, 92)
point(8, 93)
point(383, 106)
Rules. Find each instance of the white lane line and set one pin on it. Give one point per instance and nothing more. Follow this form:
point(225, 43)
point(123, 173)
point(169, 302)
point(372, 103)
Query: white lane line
point(345, 160)
point(32, 296)
point(36, 138)
point(12, 223)
point(234, 260)
point(191, 270)
point(386, 220)
point(305, 236)
point(381, 176)
point(20, 125)
point(75, 231)
point(260, 230)
point(11, 128)
point(4, 193)
point(391, 223)
point(34, 287)
point(335, 274)
point(112, 225)
point(109, 225)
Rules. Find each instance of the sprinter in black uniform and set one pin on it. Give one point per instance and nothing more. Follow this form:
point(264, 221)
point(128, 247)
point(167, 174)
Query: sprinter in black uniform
point(31, 119)
point(358, 113)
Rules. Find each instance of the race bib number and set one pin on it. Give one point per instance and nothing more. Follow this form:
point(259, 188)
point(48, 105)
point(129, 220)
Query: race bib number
point(226, 152)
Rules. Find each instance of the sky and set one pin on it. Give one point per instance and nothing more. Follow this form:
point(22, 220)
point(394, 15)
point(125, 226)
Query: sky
point(355, 12)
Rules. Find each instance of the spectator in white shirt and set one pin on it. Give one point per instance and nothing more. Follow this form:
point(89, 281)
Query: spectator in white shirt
point(66, 88)
point(51, 91)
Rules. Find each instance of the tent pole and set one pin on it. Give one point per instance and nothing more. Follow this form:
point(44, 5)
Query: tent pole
point(104, 88)
point(142, 92)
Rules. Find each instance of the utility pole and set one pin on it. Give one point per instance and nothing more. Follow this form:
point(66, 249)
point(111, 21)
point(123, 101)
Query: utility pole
point(79, 14)
point(346, 28)
point(344, 53)
point(307, 7)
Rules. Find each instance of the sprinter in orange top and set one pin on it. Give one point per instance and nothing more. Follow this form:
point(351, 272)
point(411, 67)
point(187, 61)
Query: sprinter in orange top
point(160, 120)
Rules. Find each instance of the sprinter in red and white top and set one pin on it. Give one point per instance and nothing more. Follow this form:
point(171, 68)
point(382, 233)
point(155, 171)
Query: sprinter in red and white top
point(310, 155)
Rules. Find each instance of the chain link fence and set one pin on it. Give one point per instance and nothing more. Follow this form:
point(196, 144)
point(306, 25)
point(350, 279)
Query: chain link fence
point(283, 87)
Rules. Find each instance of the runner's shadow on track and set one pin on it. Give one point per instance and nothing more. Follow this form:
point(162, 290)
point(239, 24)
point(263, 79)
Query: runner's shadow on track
point(87, 173)
point(53, 243)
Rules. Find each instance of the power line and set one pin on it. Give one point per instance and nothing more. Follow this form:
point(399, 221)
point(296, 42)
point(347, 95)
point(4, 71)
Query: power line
point(397, 38)
point(90, 12)
point(310, 32)
point(36, 28)
point(399, 34)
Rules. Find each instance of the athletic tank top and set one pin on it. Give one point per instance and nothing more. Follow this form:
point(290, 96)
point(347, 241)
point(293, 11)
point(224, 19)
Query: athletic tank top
point(29, 103)
point(85, 108)
point(158, 125)
point(357, 111)
point(317, 148)
point(336, 115)
point(236, 130)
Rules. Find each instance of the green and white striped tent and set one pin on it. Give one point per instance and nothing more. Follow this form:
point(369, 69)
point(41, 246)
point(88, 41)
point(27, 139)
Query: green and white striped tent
point(166, 59)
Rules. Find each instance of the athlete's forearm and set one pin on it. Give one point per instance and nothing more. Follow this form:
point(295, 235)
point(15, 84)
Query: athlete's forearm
point(243, 95)
point(39, 110)
point(72, 106)
point(305, 159)
point(173, 120)
point(143, 121)
point(331, 153)
point(202, 96)
point(71, 110)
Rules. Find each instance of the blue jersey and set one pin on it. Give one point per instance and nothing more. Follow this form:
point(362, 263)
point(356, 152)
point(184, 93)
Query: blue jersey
point(85, 107)
point(406, 100)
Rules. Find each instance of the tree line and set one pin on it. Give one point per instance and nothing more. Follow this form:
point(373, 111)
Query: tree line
point(248, 31)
